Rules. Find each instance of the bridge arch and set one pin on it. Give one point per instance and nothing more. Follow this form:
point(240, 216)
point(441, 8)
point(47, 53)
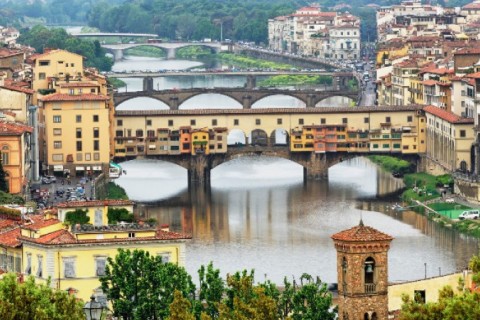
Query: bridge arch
point(236, 137)
point(279, 137)
point(328, 101)
point(205, 98)
point(294, 102)
point(133, 103)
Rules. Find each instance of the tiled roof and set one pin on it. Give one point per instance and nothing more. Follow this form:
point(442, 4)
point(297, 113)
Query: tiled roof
point(475, 75)
point(72, 97)
point(447, 116)
point(63, 236)
point(7, 224)
point(429, 82)
point(40, 223)
point(10, 238)
point(13, 128)
point(48, 52)
point(94, 203)
point(19, 89)
point(361, 233)
point(473, 5)
point(467, 51)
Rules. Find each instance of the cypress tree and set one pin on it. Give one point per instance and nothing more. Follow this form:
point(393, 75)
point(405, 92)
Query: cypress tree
point(3, 181)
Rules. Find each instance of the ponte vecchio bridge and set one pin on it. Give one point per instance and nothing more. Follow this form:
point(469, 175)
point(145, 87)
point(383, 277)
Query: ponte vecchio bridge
point(316, 138)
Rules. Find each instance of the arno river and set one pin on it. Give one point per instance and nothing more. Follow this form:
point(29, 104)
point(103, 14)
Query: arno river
point(258, 213)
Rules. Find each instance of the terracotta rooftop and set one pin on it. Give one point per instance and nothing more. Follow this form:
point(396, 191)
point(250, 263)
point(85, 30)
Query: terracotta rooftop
point(475, 75)
point(19, 89)
point(7, 224)
point(13, 128)
point(63, 236)
point(10, 238)
point(48, 52)
point(429, 82)
point(473, 5)
point(467, 51)
point(361, 233)
point(40, 223)
point(94, 203)
point(72, 97)
point(447, 116)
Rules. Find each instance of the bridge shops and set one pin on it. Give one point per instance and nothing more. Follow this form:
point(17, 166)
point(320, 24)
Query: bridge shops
point(316, 138)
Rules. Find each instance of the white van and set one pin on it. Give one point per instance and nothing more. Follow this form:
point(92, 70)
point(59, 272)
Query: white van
point(469, 214)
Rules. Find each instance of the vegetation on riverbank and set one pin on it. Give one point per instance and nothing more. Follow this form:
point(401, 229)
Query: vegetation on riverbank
point(116, 192)
point(392, 164)
point(116, 83)
point(146, 51)
point(194, 52)
point(246, 62)
point(295, 79)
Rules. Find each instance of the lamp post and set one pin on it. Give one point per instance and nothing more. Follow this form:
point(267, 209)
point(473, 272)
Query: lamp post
point(93, 310)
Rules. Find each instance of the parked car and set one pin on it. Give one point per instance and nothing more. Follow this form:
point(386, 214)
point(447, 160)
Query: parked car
point(469, 214)
point(60, 192)
point(46, 180)
point(450, 200)
point(52, 178)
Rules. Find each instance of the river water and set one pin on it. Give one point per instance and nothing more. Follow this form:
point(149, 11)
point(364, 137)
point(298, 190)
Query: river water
point(259, 214)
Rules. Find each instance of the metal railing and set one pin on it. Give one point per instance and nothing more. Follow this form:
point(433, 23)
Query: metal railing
point(370, 287)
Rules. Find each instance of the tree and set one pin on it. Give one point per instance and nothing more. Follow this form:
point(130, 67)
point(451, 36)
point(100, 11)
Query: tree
point(29, 300)
point(211, 291)
point(140, 286)
point(3, 180)
point(77, 216)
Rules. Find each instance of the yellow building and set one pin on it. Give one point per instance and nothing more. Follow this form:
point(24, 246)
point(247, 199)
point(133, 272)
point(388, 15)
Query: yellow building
point(15, 151)
point(10, 246)
point(74, 257)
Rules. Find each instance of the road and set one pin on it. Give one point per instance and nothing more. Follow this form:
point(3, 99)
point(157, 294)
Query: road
point(368, 88)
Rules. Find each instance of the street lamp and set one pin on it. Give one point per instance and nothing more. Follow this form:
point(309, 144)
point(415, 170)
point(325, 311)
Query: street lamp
point(93, 310)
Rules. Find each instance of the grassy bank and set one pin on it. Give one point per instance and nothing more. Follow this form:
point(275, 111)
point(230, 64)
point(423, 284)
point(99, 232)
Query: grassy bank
point(295, 80)
point(116, 192)
point(146, 51)
point(116, 83)
point(242, 61)
point(193, 52)
point(392, 164)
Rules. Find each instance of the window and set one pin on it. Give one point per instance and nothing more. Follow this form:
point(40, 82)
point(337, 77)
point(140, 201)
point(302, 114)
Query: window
point(78, 118)
point(323, 120)
point(131, 234)
point(409, 118)
point(78, 133)
point(79, 145)
point(258, 122)
point(166, 256)
point(69, 267)
point(463, 133)
point(219, 138)
point(387, 119)
point(57, 119)
point(5, 153)
point(151, 133)
point(40, 268)
point(119, 133)
point(366, 120)
point(120, 123)
point(41, 76)
point(300, 121)
point(57, 132)
point(344, 120)
point(96, 156)
point(236, 122)
point(57, 144)
point(100, 265)
point(88, 157)
point(214, 122)
point(193, 122)
point(139, 133)
point(79, 157)
point(56, 106)
point(385, 146)
point(96, 145)
point(419, 296)
point(170, 123)
point(279, 121)
point(44, 63)
point(375, 146)
point(57, 157)
point(95, 118)
point(28, 268)
point(96, 132)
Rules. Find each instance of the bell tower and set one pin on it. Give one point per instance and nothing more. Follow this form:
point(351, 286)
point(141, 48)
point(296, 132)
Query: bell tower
point(362, 271)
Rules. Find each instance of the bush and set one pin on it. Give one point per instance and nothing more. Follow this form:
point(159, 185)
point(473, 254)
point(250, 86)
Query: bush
point(116, 215)
point(392, 164)
point(78, 216)
point(116, 192)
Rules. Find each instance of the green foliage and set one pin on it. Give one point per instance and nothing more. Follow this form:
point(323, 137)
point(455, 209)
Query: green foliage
point(146, 51)
point(40, 38)
point(116, 215)
point(295, 80)
point(193, 52)
point(3, 180)
point(29, 300)
point(116, 192)
point(211, 291)
point(134, 277)
point(392, 164)
point(116, 83)
point(8, 213)
point(78, 216)
point(7, 198)
point(46, 91)
point(247, 62)
point(445, 179)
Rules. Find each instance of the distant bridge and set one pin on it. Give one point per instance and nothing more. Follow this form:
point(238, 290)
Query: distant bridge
point(183, 73)
point(171, 47)
point(246, 97)
point(113, 34)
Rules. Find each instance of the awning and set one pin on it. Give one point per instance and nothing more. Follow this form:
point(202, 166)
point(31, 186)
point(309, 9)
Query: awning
point(97, 168)
point(115, 165)
point(58, 167)
point(80, 168)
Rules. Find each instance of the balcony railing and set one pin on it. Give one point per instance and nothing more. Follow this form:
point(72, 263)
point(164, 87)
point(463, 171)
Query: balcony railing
point(88, 228)
point(370, 288)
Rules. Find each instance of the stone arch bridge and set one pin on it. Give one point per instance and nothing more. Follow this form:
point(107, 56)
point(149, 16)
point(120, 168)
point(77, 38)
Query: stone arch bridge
point(170, 47)
point(315, 165)
point(246, 97)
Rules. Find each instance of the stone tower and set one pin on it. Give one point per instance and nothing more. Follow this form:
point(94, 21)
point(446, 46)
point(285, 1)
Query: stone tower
point(362, 269)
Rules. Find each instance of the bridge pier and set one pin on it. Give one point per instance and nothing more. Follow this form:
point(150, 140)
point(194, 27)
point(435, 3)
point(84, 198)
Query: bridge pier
point(251, 82)
point(247, 102)
point(171, 53)
point(311, 101)
point(316, 168)
point(199, 171)
point(148, 84)
point(117, 54)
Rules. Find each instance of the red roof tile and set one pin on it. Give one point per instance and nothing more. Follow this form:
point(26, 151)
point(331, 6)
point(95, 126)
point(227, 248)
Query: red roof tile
point(74, 97)
point(19, 89)
point(475, 75)
point(473, 5)
point(7, 224)
point(361, 233)
point(40, 223)
point(94, 203)
point(429, 82)
point(447, 116)
point(10, 238)
point(467, 51)
point(13, 128)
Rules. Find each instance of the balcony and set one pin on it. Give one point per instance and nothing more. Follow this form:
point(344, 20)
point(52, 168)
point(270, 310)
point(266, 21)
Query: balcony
point(370, 288)
point(88, 228)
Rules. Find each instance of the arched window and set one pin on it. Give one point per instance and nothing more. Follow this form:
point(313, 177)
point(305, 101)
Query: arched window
point(369, 275)
point(365, 316)
point(5, 155)
point(374, 316)
point(463, 166)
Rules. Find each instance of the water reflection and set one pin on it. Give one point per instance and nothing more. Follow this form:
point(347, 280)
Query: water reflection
point(259, 214)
